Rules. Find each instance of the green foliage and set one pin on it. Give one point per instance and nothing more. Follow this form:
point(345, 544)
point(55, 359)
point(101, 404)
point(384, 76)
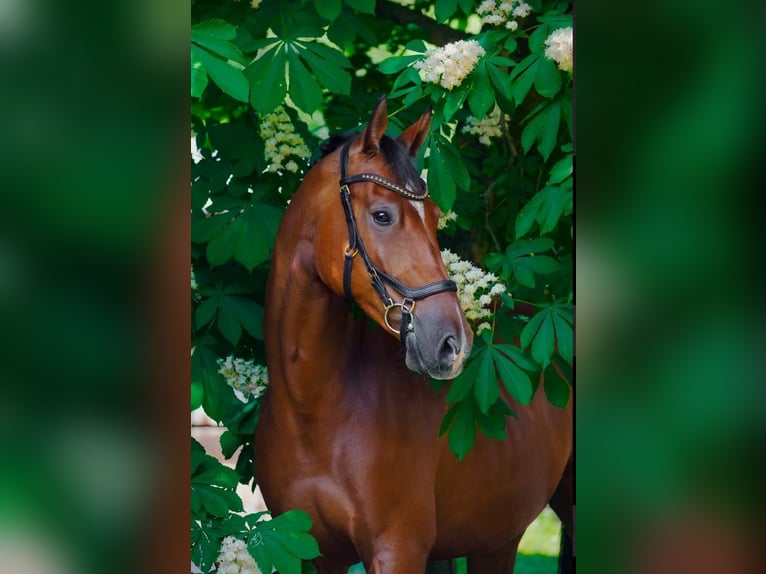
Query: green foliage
point(326, 64)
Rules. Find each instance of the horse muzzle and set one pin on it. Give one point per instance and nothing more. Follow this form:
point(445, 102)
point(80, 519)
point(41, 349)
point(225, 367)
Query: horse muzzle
point(439, 353)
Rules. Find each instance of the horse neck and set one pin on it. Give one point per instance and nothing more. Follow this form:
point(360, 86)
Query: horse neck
point(308, 327)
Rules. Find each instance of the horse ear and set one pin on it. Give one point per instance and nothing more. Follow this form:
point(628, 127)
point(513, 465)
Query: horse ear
point(414, 136)
point(377, 126)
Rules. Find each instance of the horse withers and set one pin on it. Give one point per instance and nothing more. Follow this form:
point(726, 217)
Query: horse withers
point(349, 427)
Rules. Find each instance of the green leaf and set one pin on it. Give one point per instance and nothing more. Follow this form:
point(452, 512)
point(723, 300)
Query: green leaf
point(409, 75)
point(455, 164)
point(331, 76)
point(462, 433)
point(514, 379)
point(295, 519)
point(229, 325)
point(304, 89)
point(492, 425)
point(229, 443)
point(365, 6)
point(393, 64)
point(550, 129)
point(552, 206)
point(500, 81)
point(526, 217)
point(259, 552)
point(198, 76)
point(466, 6)
point(482, 97)
point(440, 185)
point(328, 9)
point(546, 208)
point(214, 28)
point(218, 475)
point(547, 79)
point(268, 86)
point(537, 38)
point(521, 85)
point(556, 389)
point(540, 264)
point(564, 337)
point(330, 54)
point(205, 312)
point(454, 101)
point(531, 132)
point(252, 245)
point(248, 312)
point(485, 388)
point(216, 501)
point(526, 247)
point(221, 248)
point(205, 547)
point(197, 391)
point(284, 560)
point(230, 79)
point(198, 455)
point(502, 61)
point(542, 344)
point(531, 329)
point(221, 48)
point(463, 383)
point(518, 356)
point(444, 9)
point(448, 418)
point(561, 170)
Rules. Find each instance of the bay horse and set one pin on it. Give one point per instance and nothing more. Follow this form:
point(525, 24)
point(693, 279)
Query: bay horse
point(348, 430)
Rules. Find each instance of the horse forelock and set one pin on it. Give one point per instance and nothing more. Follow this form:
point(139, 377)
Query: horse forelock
point(394, 154)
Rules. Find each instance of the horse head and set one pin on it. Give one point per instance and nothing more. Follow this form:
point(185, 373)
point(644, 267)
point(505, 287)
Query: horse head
point(386, 256)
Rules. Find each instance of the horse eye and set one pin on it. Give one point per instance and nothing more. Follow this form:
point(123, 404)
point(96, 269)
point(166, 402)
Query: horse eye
point(381, 217)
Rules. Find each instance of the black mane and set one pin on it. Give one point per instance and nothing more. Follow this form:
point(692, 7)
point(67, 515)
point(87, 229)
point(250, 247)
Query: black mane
point(394, 153)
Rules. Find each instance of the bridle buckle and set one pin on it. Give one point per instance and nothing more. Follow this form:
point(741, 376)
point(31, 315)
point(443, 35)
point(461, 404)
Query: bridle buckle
point(407, 306)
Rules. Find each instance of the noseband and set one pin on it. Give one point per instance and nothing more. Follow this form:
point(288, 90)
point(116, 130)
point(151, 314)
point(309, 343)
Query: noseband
point(377, 275)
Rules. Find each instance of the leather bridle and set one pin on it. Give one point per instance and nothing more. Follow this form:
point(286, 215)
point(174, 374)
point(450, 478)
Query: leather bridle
point(378, 276)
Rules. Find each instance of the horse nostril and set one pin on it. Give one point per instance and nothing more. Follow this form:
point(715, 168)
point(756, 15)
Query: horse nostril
point(448, 350)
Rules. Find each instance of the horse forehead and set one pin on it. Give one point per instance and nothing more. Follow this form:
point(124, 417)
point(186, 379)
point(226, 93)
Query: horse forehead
point(418, 205)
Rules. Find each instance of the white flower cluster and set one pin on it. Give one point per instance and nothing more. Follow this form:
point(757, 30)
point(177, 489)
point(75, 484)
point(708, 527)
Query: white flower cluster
point(193, 280)
point(235, 559)
point(559, 47)
point(450, 64)
point(486, 127)
point(281, 141)
point(503, 13)
point(475, 288)
point(246, 378)
point(445, 218)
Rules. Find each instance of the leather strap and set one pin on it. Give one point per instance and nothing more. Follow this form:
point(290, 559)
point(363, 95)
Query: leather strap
point(356, 247)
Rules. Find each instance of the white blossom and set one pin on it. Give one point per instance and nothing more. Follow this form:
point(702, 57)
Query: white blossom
point(559, 48)
point(487, 127)
point(449, 65)
point(246, 378)
point(234, 558)
point(445, 218)
point(476, 289)
point(193, 280)
point(503, 13)
point(281, 141)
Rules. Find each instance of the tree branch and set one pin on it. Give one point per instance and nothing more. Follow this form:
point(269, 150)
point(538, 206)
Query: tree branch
point(435, 33)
